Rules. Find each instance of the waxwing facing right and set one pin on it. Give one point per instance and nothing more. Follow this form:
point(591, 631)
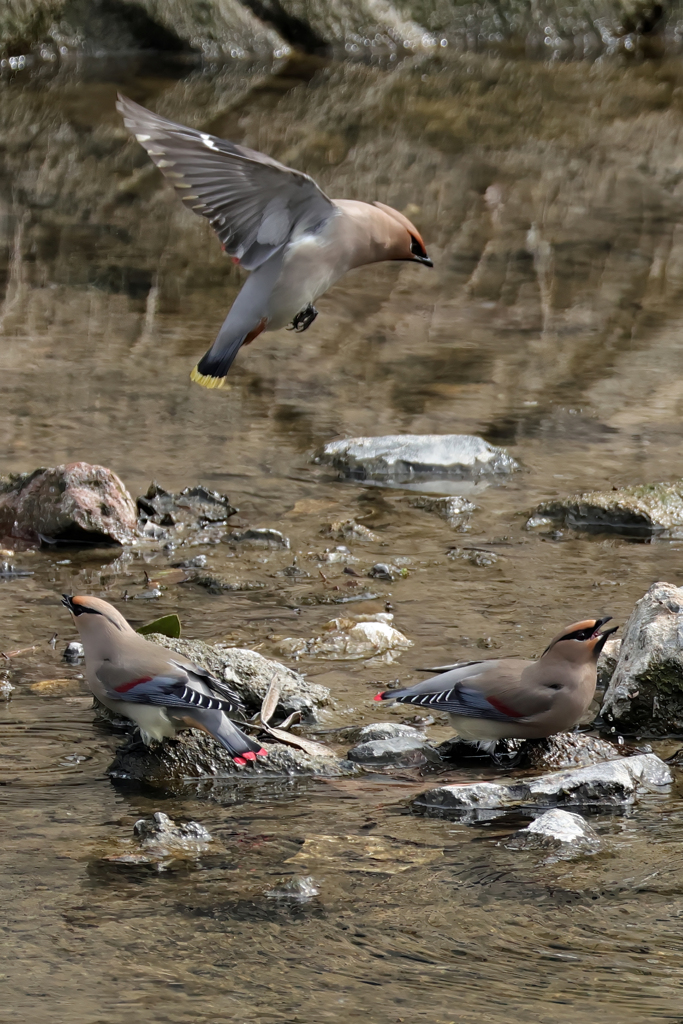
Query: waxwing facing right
point(274, 221)
point(512, 698)
point(161, 691)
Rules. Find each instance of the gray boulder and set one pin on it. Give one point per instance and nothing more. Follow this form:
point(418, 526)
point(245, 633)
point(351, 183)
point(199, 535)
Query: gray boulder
point(396, 751)
point(645, 693)
point(380, 731)
point(195, 763)
point(562, 833)
point(409, 458)
point(75, 503)
point(602, 786)
point(251, 675)
point(640, 511)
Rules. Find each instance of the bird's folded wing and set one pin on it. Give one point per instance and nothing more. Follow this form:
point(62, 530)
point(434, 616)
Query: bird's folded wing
point(174, 690)
point(459, 700)
point(222, 690)
point(252, 201)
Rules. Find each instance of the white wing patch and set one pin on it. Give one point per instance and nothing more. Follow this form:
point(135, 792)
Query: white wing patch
point(143, 138)
point(208, 142)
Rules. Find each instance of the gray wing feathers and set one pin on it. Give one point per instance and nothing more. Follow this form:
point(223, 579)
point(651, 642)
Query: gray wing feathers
point(252, 201)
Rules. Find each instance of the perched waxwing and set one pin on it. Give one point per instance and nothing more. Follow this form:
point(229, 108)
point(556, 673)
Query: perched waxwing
point(273, 221)
point(501, 698)
point(159, 690)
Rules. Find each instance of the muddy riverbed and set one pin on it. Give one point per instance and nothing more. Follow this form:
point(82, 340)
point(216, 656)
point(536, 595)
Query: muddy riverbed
point(551, 199)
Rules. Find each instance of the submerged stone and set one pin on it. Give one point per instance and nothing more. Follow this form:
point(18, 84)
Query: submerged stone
point(456, 510)
point(74, 504)
point(602, 786)
point(563, 833)
point(260, 536)
point(348, 640)
point(192, 507)
point(645, 693)
point(405, 458)
point(639, 511)
point(402, 751)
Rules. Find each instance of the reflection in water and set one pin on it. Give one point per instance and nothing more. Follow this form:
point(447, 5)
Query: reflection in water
point(550, 197)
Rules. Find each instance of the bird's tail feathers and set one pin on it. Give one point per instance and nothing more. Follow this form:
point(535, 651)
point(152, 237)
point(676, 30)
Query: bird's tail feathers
point(212, 368)
point(242, 748)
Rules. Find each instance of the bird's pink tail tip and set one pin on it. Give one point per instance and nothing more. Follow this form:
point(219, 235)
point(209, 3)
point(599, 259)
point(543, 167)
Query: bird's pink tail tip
point(380, 696)
point(249, 755)
point(239, 760)
point(262, 752)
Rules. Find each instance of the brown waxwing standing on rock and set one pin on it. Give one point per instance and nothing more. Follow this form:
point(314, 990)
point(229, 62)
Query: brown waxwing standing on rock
point(159, 690)
point(510, 698)
point(272, 220)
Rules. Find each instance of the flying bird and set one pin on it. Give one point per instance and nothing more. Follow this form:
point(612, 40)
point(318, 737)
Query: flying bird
point(159, 690)
point(500, 698)
point(274, 221)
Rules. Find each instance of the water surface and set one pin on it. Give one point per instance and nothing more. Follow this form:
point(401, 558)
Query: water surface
point(550, 200)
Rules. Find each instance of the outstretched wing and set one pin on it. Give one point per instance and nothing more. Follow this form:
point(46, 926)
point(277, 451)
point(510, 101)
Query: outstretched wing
point(252, 201)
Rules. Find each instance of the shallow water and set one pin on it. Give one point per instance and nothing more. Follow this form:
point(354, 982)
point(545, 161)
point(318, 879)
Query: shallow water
point(550, 200)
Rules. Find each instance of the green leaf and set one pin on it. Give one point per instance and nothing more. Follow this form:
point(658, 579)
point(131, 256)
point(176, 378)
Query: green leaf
point(167, 625)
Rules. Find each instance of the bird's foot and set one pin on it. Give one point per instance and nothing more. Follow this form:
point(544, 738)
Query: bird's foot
point(303, 320)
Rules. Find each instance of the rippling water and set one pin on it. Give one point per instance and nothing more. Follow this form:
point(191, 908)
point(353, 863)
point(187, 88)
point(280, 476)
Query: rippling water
point(550, 198)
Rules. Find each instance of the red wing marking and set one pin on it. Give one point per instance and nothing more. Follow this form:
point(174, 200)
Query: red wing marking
point(503, 708)
point(129, 686)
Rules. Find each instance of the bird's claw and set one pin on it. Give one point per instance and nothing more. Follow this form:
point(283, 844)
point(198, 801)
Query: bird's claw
point(303, 320)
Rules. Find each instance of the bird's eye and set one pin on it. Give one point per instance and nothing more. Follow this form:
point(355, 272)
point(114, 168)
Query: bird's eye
point(585, 634)
point(554, 686)
point(415, 248)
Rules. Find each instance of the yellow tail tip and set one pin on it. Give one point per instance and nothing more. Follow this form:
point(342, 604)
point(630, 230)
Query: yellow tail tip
point(205, 380)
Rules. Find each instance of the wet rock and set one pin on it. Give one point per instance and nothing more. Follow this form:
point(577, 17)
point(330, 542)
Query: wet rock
point(159, 841)
point(198, 562)
point(395, 751)
point(160, 829)
point(381, 731)
point(75, 503)
point(218, 584)
point(568, 750)
point(481, 557)
point(565, 834)
point(251, 675)
point(348, 639)
point(259, 537)
point(607, 662)
point(641, 511)
point(408, 458)
point(602, 786)
point(349, 529)
point(5, 688)
point(645, 693)
point(455, 510)
point(166, 514)
point(74, 652)
point(384, 571)
point(299, 889)
point(176, 766)
point(340, 554)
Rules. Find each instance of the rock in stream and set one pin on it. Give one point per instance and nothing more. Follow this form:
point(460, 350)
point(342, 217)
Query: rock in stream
point(645, 693)
point(75, 503)
point(640, 511)
point(402, 459)
point(605, 786)
point(564, 834)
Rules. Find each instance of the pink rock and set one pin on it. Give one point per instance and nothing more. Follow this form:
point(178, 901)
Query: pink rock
point(78, 503)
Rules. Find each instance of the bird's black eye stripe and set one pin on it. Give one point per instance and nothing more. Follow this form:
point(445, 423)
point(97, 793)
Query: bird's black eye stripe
point(579, 634)
point(416, 248)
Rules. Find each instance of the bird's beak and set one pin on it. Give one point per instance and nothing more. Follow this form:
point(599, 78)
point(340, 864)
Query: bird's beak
point(600, 639)
point(68, 602)
point(424, 260)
